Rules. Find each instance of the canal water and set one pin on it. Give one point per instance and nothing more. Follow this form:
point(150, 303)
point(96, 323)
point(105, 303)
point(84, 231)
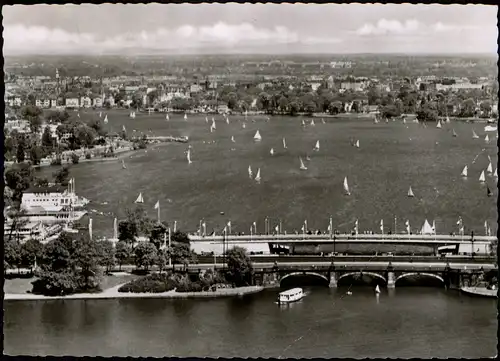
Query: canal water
point(406, 322)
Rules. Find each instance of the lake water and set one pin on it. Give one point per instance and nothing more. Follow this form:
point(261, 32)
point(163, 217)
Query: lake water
point(406, 322)
point(391, 158)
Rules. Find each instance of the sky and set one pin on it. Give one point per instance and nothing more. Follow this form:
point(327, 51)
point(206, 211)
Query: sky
point(249, 28)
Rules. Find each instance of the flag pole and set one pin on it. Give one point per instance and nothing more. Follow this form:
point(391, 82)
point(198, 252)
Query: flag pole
point(331, 228)
point(169, 248)
point(159, 213)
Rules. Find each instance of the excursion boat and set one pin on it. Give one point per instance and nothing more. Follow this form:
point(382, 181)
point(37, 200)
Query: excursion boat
point(293, 295)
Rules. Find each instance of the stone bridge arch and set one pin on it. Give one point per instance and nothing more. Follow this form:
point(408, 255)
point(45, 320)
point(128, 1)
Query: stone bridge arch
point(424, 274)
point(305, 273)
point(359, 274)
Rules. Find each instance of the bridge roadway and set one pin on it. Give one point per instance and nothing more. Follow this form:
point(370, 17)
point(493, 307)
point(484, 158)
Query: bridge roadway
point(354, 258)
point(403, 266)
point(344, 238)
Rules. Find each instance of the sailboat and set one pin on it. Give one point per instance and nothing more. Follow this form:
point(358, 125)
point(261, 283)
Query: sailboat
point(312, 123)
point(303, 123)
point(488, 191)
point(404, 120)
point(227, 120)
point(244, 125)
point(377, 289)
point(474, 135)
point(346, 187)
point(189, 156)
point(454, 133)
point(106, 119)
point(486, 139)
point(323, 121)
point(213, 124)
point(100, 114)
point(490, 168)
point(284, 143)
point(250, 173)
point(438, 124)
point(495, 174)
point(257, 137)
point(357, 144)
point(271, 151)
point(167, 118)
point(206, 120)
point(139, 199)
point(185, 116)
point(410, 193)
point(447, 119)
point(132, 115)
point(464, 172)
point(316, 147)
point(482, 178)
point(257, 177)
point(302, 165)
point(232, 139)
point(123, 164)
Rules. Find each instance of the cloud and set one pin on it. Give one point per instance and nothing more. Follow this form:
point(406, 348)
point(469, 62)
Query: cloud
point(410, 27)
point(21, 39)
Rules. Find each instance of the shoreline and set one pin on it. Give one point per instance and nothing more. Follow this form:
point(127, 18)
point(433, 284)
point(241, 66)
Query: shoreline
point(479, 291)
point(112, 293)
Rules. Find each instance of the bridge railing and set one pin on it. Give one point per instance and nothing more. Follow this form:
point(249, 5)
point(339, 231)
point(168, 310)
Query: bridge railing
point(326, 237)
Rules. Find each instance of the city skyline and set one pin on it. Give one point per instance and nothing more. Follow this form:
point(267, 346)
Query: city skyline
point(249, 29)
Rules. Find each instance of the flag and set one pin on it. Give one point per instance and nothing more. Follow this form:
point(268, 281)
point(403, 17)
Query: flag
point(408, 226)
point(459, 221)
point(434, 227)
point(71, 182)
point(277, 228)
point(303, 228)
point(123, 128)
point(224, 230)
point(251, 229)
point(329, 228)
point(489, 231)
point(157, 205)
point(255, 224)
point(229, 224)
point(382, 225)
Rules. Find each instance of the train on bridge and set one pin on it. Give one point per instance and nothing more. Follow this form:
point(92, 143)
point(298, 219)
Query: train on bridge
point(361, 244)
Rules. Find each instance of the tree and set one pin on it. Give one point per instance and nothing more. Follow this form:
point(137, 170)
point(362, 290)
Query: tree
point(161, 260)
point(145, 255)
point(137, 223)
point(32, 113)
point(87, 255)
point(36, 154)
point(180, 237)
point(18, 178)
point(62, 176)
point(47, 140)
point(427, 113)
point(107, 254)
point(31, 251)
point(157, 235)
point(239, 266)
point(122, 253)
point(21, 149)
point(74, 158)
point(12, 254)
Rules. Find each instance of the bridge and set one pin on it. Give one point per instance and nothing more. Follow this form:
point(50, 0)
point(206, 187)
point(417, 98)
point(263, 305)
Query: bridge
point(449, 274)
point(345, 238)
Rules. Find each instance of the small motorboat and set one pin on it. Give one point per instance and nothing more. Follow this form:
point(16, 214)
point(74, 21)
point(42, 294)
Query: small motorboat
point(293, 295)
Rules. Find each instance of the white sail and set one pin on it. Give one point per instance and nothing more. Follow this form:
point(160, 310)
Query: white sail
point(377, 289)
point(284, 143)
point(106, 119)
point(302, 165)
point(206, 120)
point(323, 121)
point(454, 133)
point(227, 120)
point(257, 137)
point(312, 122)
point(404, 120)
point(244, 125)
point(490, 168)
point(316, 147)
point(167, 117)
point(271, 151)
point(213, 124)
point(139, 199)
point(303, 123)
point(232, 139)
point(410, 193)
point(482, 178)
point(495, 173)
point(486, 139)
point(189, 156)
point(426, 228)
point(447, 119)
point(346, 187)
point(100, 114)
point(357, 144)
point(438, 124)
point(257, 177)
point(250, 173)
point(464, 172)
point(185, 116)
point(246, 113)
point(474, 135)
point(123, 164)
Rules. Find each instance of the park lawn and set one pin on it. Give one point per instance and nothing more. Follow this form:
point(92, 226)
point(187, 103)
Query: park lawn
point(23, 285)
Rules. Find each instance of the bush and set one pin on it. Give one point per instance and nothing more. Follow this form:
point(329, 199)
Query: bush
point(87, 156)
point(154, 283)
point(56, 161)
point(74, 158)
